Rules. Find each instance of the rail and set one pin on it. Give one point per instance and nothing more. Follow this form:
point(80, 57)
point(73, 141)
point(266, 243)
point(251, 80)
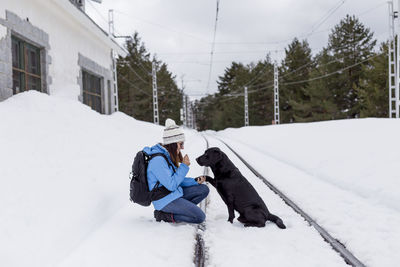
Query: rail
point(200, 250)
point(348, 257)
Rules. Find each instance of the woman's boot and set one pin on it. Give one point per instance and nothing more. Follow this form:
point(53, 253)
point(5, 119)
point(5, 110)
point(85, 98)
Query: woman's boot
point(163, 216)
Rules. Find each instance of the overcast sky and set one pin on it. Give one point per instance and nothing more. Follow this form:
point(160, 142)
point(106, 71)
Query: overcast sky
point(181, 32)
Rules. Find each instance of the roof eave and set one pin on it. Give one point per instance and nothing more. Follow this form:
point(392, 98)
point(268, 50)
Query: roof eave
point(90, 25)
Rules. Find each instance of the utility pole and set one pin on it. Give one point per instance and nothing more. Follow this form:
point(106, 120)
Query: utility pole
point(111, 29)
point(155, 99)
point(393, 75)
point(394, 96)
point(246, 107)
point(115, 82)
point(113, 60)
point(194, 120)
point(111, 34)
point(276, 94)
point(181, 113)
point(184, 109)
point(111, 22)
point(189, 114)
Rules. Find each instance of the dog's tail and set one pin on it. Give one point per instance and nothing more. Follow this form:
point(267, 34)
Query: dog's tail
point(278, 221)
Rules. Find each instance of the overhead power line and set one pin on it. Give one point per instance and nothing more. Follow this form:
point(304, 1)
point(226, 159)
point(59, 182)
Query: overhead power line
point(332, 73)
point(97, 11)
point(372, 8)
point(302, 67)
point(325, 75)
point(139, 63)
point(308, 80)
point(131, 84)
point(161, 26)
point(350, 45)
point(326, 16)
point(276, 42)
point(313, 29)
point(228, 52)
point(140, 77)
point(213, 46)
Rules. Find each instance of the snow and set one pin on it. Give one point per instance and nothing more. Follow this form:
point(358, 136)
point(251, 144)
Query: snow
point(65, 177)
point(343, 173)
point(238, 246)
point(64, 191)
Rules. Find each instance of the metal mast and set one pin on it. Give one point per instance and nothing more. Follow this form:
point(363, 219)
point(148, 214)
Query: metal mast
point(155, 99)
point(246, 107)
point(113, 59)
point(111, 22)
point(276, 94)
point(392, 63)
point(189, 114)
point(115, 82)
point(397, 59)
point(184, 110)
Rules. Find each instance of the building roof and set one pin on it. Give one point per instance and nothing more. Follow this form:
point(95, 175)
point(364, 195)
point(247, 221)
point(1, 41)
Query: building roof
point(90, 25)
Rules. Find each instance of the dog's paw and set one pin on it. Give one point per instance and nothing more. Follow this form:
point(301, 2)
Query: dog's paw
point(208, 178)
point(230, 220)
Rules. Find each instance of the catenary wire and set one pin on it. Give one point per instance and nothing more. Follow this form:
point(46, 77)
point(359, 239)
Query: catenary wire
point(131, 84)
point(213, 46)
point(312, 79)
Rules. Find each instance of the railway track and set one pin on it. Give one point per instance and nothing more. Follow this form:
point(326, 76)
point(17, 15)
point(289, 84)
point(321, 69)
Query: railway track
point(348, 257)
point(200, 250)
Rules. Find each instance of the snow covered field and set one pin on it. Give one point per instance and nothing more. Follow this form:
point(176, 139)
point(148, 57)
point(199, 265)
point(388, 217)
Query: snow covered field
point(345, 174)
point(64, 191)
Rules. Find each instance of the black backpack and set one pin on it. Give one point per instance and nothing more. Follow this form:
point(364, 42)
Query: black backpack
point(139, 188)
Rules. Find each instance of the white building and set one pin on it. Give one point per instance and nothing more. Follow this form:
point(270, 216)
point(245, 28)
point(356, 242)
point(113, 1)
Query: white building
point(52, 46)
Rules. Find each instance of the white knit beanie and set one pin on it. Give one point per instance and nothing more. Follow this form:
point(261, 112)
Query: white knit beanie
point(172, 133)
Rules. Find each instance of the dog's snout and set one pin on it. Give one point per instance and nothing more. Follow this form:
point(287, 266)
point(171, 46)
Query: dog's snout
point(199, 161)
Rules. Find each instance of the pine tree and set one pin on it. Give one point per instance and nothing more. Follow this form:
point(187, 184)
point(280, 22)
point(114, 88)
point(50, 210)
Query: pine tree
point(261, 93)
point(206, 111)
point(322, 105)
point(169, 95)
point(135, 87)
point(134, 80)
point(230, 110)
point(350, 42)
point(373, 88)
point(296, 67)
point(332, 85)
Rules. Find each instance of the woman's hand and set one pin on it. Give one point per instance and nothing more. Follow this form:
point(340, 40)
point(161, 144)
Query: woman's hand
point(186, 160)
point(201, 179)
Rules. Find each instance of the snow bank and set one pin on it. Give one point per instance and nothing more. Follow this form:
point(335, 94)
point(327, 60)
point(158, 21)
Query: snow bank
point(65, 173)
point(64, 191)
point(360, 155)
point(343, 173)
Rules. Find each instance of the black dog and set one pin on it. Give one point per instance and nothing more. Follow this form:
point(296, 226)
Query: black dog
point(234, 189)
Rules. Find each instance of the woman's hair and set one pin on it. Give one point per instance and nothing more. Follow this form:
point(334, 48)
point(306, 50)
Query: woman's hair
point(175, 157)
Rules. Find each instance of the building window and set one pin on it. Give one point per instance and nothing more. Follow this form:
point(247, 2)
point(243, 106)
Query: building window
point(26, 66)
point(92, 91)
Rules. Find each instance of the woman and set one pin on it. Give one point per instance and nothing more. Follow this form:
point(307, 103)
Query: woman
point(181, 204)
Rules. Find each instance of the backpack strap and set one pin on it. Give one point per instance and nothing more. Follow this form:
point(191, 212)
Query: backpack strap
point(166, 159)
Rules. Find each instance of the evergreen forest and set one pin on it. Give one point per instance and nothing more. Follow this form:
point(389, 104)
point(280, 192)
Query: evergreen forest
point(346, 79)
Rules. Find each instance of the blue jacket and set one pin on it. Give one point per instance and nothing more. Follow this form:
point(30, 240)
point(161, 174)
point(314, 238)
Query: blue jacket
point(159, 170)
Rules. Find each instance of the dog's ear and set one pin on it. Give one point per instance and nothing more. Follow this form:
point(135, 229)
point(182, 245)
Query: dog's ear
point(216, 154)
point(222, 163)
